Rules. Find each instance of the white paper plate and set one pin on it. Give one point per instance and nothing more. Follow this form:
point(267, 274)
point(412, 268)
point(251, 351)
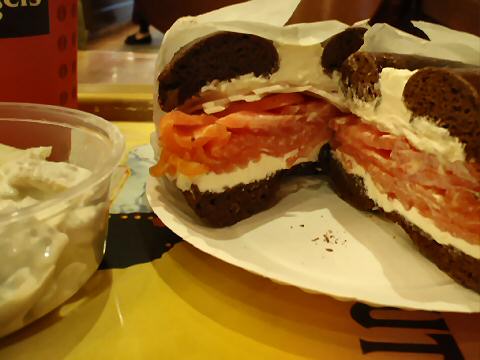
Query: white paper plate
point(315, 241)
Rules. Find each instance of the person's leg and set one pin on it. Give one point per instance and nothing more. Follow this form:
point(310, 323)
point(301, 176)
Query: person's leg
point(142, 36)
point(144, 26)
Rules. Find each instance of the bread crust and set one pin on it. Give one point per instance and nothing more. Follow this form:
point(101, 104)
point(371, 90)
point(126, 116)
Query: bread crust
point(450, 98)
point(339, 47)
point(360, 72)
point(218, 56)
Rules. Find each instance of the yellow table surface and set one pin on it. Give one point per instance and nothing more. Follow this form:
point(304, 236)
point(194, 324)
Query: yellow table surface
point(136, 133)
point(189, 305)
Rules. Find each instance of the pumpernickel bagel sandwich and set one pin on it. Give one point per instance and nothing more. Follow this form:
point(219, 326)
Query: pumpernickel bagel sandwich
point(396, 133)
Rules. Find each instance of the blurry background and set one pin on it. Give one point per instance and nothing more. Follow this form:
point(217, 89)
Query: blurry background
point(108, 22)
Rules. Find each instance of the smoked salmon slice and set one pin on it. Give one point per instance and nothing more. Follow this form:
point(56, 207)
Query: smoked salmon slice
point(195, 144)
point(447, 193)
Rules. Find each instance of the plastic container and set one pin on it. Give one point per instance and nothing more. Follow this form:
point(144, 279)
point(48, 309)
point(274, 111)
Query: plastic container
point(49, 250)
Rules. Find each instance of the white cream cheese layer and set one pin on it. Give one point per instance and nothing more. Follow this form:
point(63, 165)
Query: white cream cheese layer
point(390, 114)
point(258, 170)
point(412, 215)
point(299, 71)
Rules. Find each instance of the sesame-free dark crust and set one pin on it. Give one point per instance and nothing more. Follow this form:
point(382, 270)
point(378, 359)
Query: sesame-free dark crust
point(339, 47)
point(234, 204)
point(459, 266)
point(360, 72)
point(219, 56)
point(451, 99)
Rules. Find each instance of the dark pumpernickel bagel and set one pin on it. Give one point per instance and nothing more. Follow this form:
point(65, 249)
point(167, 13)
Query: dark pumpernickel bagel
point(218, 56)
point(451, 98)
point(361, 71)
point(339, 47)
point(234, 204)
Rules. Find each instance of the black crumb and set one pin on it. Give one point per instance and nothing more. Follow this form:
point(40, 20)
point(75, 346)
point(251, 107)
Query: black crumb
point(301, 225)
point(329, 250)
point(291, 227)
point(329, 238)
point(316, 239)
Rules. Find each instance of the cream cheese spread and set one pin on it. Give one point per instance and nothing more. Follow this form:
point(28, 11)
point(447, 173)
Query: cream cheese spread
point(299, 71)
point(262, 169)
point(389, 114)
point(27, 178)
point(412, 215)
point(45, 256)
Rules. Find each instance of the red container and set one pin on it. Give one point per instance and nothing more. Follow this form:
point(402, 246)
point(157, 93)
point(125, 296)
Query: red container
point(38, 51)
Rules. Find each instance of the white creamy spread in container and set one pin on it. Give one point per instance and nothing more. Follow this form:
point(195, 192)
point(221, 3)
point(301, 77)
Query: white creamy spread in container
point(389, 114)
point(45, 256)
point(27, 178)
point(412, 215)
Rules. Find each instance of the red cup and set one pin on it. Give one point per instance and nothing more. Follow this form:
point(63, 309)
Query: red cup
point(38, 51)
